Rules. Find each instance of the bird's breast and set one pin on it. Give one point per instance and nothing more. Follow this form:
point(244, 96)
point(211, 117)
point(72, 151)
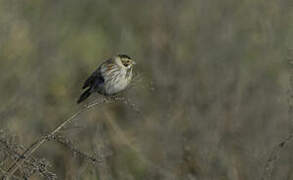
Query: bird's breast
point(117, 81)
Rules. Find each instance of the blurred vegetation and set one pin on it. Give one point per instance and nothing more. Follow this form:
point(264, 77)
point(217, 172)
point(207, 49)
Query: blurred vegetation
point(213, 93)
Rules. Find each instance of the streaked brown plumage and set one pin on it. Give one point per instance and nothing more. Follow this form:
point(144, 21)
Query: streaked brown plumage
point(110, 78)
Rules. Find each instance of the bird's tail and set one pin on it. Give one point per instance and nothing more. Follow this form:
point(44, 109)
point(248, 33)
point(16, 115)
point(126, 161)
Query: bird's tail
point(84, 95)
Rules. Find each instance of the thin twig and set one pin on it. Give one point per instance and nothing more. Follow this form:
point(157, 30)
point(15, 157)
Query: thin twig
point(29, 151)
point(36, 164)
point(66, 142)
point(15, 177)
point(274, 156)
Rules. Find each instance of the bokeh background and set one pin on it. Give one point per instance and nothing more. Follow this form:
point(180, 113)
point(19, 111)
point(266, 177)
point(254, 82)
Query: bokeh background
point(211, 99)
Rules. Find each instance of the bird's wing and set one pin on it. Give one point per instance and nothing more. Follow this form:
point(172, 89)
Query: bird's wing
point(107, 68)
point(94, 79)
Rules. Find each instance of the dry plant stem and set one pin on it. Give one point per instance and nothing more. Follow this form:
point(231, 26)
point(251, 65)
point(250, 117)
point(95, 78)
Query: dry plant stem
point(16, 165)
point(276, 152)
point(29, 161)
point(15, 177)
point(274, 157)
point(70, 145)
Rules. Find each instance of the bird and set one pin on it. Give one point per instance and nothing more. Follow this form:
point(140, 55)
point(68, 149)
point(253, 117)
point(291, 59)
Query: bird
point(110, 78)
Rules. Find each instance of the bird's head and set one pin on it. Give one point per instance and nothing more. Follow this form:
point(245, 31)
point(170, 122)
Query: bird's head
point(124, 61)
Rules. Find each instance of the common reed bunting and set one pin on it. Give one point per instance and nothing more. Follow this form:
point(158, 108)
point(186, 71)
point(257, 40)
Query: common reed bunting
point(110, 78)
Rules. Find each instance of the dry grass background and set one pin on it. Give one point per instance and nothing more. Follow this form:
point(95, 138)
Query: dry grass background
point(212, 101)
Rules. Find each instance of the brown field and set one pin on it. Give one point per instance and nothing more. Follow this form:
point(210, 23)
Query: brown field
point(212, 98)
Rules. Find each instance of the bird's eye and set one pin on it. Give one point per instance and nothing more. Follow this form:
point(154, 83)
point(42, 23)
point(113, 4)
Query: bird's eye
point(126, 63)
